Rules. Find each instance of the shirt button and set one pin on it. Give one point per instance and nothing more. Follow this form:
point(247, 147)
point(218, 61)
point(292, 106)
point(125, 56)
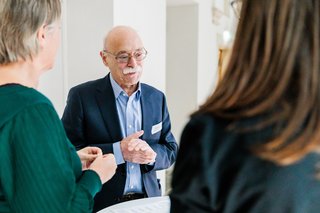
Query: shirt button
point(132, 167)
point(130, 126)
point(131, 187)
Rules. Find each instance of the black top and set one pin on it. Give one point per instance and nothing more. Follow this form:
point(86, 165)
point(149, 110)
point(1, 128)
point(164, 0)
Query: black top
point(216, 172)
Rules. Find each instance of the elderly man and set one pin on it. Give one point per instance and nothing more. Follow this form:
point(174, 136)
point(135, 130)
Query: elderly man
point(125, 117)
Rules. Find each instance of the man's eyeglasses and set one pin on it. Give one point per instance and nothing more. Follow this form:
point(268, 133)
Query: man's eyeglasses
point(124, 57)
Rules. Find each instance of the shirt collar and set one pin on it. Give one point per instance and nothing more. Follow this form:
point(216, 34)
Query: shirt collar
point(117, 90)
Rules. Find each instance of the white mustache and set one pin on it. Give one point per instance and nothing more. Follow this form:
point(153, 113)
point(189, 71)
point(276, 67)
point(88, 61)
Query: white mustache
point(129, 70)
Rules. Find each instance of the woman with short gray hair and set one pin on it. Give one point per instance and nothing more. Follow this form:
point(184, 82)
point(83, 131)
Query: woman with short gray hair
point(40, 171)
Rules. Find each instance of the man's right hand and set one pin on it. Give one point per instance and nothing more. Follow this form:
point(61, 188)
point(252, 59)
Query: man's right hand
point(136, 150)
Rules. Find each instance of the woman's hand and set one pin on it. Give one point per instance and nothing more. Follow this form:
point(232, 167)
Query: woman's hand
point(105, 166)
point(87, 155)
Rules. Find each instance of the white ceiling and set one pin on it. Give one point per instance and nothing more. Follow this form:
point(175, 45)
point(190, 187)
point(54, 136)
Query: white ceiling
point(180, 2)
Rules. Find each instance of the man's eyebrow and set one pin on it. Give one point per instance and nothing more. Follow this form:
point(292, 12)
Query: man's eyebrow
point(123, 51)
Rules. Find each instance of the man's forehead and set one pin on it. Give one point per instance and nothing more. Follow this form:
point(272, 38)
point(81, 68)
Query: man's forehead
point(124, 42)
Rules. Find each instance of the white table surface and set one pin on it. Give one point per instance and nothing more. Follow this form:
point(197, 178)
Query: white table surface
point(145, 205)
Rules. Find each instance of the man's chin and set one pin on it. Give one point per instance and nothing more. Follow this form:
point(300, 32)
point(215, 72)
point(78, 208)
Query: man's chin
point(131, 82)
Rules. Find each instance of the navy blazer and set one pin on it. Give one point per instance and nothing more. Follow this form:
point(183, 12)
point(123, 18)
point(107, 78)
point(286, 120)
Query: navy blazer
point(91, 119)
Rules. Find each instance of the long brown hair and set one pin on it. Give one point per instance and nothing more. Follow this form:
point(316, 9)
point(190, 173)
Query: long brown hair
point(274, 69)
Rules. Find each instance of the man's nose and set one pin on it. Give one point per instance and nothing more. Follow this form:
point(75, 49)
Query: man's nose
point(132, 62)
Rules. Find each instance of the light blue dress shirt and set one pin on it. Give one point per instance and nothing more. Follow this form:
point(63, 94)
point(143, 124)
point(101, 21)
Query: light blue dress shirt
point(130, 116)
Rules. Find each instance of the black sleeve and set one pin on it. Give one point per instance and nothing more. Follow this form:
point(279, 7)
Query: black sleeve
point(190, 190)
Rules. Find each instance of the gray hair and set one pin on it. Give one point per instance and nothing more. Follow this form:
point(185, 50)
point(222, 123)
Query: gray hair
point(19, 23)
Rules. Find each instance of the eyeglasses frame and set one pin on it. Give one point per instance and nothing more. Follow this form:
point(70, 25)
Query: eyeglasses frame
point(132, 54)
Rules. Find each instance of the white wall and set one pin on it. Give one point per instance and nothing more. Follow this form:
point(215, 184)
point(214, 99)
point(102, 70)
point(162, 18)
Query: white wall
point(207, 52)
point(182, 63)
point(191, 64)
point(87, 22)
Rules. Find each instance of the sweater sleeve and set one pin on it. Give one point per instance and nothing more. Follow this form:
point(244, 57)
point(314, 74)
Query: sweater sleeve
point(45, 170)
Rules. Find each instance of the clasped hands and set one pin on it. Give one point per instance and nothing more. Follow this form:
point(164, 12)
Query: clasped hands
point(93, 159)
point(136, 150)
point(133, 150)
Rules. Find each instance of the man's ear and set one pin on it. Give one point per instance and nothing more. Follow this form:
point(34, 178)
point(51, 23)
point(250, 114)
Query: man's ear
point(104, 58)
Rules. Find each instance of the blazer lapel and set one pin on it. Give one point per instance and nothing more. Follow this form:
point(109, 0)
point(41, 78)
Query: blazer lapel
point(107, 105)
point(146, 108)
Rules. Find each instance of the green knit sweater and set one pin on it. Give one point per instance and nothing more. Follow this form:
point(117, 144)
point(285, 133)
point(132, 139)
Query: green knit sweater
point(40, 170)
